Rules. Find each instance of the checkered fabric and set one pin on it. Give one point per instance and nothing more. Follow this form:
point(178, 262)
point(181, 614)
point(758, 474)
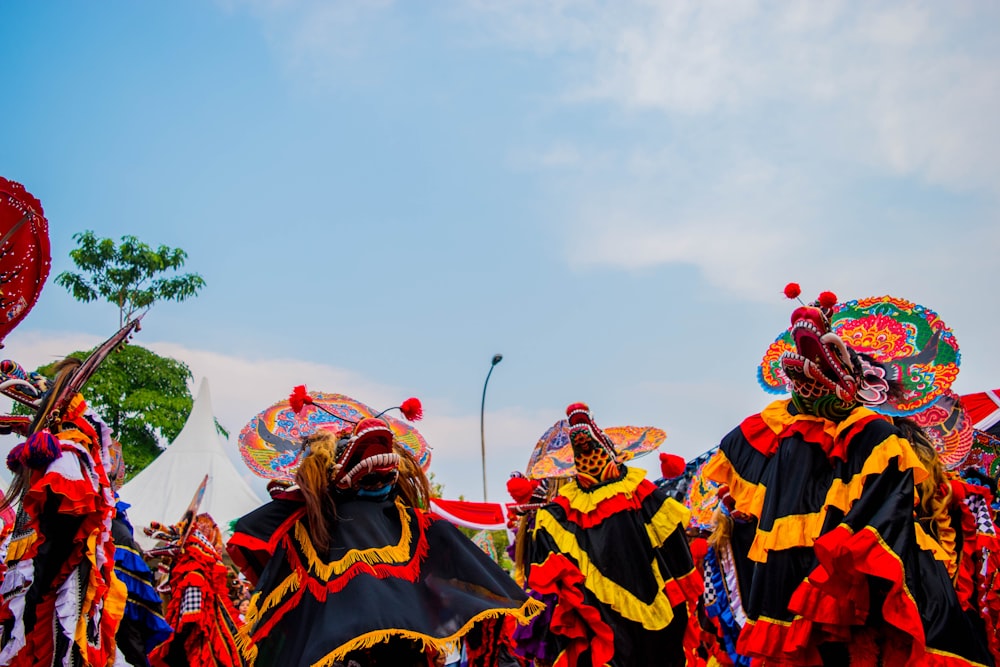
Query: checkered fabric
point(191, 601)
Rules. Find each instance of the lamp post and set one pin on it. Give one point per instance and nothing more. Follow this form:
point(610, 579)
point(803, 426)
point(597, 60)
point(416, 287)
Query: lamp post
point(497, 358)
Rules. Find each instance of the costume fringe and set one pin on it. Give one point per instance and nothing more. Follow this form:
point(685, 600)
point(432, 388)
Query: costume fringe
point(522, 614)
point(390, 554)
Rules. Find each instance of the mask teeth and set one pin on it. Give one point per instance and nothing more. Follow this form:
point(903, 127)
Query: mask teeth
point(368, 464)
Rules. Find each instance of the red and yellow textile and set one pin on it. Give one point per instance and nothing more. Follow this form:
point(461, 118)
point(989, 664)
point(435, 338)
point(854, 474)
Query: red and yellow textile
point(199, 610)
point(614, 561)
point(394, 578)
point(62, 602)
point(843, 569)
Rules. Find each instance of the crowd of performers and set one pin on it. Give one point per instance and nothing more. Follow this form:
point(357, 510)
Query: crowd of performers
point(839, 534)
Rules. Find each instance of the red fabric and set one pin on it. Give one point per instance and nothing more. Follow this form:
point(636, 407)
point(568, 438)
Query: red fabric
point(779, 644)
point(982, 409)
point(620, 502)
point(759, 435)
point(482, 516)
point(845, 559)
point(572, 617)
point(209, 642)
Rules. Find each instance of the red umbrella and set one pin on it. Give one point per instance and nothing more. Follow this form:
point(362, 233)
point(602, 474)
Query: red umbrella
point(25, 257)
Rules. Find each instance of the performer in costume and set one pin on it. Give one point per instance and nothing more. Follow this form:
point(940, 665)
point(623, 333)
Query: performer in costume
point(610, 556)
point(842, 571)
point(199, 608)
point(351, 550)
point(62, 602)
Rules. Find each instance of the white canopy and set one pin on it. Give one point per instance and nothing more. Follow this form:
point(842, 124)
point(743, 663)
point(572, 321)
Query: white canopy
point(163, 491)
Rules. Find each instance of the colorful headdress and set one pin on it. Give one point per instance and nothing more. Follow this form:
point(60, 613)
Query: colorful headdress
point(594, 455)
point(552, 455)
point(271, 443)
point(891, 355)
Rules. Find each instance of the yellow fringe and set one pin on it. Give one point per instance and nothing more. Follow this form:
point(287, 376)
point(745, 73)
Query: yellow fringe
point(274, 598)
point(523, 614)
point(586, 501)
point(666, 520)
point(653, 616)
point(390, 554)
point(243, 640)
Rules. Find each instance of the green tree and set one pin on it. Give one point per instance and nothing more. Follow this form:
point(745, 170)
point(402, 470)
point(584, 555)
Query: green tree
point(127, 274)
point(142, 396)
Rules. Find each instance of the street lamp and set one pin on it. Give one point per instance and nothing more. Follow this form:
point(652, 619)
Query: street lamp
point(497, 358)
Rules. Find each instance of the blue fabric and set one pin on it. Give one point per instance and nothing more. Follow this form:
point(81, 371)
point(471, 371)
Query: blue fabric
point(721, 610)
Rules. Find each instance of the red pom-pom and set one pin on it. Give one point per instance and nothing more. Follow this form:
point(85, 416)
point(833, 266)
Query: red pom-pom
point(792, 290)
point(671, 465)
point(520, 489)
point(827, 299)
point(412, 409)
point(699, 549)
point(299, 398)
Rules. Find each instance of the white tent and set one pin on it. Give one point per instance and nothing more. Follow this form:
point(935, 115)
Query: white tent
point(163, 491)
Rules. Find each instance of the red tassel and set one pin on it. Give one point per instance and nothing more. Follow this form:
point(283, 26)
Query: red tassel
point(671, 465)
point(520, 489)
point(412, 409)
point(792, 290)
point(14, 457)
point(299, 398)
point(827, 299)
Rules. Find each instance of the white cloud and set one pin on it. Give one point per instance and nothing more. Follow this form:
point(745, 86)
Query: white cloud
point(242, 387)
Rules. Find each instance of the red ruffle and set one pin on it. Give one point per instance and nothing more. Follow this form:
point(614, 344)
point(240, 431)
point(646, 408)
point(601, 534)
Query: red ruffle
point(759, 435)
point(845, 559)
point(778, 643)
point(620, 502)
point(572, 618)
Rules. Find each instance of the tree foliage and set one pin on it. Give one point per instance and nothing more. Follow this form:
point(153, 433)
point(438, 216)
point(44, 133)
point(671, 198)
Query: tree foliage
point(127, 274)
point(142, 396)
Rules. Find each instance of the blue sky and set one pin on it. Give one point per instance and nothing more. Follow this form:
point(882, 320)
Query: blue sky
point(382, 195)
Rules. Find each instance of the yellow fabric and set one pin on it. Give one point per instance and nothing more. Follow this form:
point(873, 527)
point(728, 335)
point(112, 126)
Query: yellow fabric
point(114, 602)
point(587, 501)
point(653, 616)
point(20, 546)
point(666, 520)
point(928, 543)
point(390, 554)
point(801, 530)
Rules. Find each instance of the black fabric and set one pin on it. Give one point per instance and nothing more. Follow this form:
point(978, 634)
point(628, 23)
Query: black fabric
point(797, 478)
point(455, 582)
point(619, 546)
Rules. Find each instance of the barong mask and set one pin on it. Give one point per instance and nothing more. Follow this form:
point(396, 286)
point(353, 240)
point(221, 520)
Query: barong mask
point(888, 354)
point(594, 455)
point(366, 462)
point(823, 373)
